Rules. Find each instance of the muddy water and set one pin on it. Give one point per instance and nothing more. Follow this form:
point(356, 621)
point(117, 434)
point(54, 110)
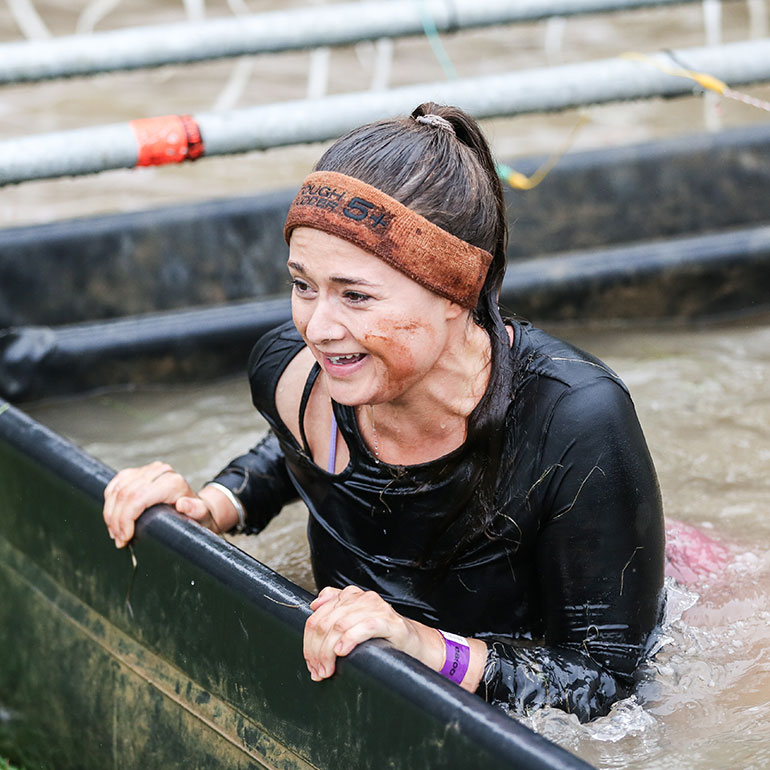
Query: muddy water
point(703, 399)
point(702, 394)
point(704, 402)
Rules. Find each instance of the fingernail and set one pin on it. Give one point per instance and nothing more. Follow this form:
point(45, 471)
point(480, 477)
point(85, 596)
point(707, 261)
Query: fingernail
point(339, 647)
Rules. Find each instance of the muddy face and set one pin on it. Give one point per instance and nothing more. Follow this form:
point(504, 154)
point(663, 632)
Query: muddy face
point(376, 333)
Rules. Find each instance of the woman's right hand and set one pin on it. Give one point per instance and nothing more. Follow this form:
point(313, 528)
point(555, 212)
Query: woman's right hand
point(133, 490)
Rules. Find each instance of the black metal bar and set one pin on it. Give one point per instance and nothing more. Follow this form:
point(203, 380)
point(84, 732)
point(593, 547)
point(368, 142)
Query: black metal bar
point(713, 276)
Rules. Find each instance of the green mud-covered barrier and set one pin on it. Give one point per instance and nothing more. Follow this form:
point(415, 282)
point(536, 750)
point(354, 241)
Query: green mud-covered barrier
point(185, 652)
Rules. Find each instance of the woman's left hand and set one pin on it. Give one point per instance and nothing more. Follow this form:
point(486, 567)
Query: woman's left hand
point(342, 619)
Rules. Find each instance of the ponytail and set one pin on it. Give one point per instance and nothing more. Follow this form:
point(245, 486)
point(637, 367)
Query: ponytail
point(438, 163)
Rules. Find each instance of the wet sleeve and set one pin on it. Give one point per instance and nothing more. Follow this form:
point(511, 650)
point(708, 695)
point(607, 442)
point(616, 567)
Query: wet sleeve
point(599, 557)
point(260, 481)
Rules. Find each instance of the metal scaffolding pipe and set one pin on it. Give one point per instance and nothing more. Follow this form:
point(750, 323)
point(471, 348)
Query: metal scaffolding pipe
point(90, 150)
point(155, 46)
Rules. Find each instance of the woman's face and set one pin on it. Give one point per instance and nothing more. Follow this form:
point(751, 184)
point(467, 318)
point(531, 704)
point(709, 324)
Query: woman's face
point(375, 332)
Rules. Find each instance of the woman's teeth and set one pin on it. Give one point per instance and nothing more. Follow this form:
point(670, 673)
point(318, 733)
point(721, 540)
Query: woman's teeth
point(345, 359)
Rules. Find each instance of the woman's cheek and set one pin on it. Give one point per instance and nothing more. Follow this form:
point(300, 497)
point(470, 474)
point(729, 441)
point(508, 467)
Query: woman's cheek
point(301, 316)
point(298, 317)
point(398, 346)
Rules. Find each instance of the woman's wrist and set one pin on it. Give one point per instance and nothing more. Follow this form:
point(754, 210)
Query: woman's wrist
point(457, 656)
point(432, 651)
point(224, 514)
point(476, 664)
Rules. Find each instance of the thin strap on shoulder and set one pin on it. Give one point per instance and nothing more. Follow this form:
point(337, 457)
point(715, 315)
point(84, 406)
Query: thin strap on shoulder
point(333, 444)
point(311, 378)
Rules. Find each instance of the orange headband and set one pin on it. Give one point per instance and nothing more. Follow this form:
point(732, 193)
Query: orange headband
point(370, 219)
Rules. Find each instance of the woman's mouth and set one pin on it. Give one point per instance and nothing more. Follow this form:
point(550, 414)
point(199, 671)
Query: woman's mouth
point(349, 358)
point(343, 363)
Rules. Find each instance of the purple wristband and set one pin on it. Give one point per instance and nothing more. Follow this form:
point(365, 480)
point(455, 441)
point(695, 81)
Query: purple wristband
point(458, 656)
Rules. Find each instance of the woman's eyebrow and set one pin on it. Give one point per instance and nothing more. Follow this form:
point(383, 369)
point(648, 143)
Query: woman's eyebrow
point(345, 280)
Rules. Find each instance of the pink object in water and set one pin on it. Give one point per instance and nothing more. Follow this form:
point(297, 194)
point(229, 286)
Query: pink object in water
point(691, 554)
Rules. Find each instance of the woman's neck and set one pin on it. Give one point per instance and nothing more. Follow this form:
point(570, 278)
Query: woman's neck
point(433, 414)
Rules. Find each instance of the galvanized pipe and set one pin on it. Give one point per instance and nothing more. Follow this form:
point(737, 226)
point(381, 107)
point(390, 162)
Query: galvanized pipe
point(329, 25)
point(91, 150)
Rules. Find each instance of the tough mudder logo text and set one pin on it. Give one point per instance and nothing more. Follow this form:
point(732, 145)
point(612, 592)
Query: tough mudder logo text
point(333, 199)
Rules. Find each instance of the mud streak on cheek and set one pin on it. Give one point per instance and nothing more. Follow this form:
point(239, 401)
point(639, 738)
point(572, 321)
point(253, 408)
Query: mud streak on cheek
point(395, 343)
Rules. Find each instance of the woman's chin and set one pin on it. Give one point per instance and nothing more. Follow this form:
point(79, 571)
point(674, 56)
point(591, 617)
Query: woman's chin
point(348, 393)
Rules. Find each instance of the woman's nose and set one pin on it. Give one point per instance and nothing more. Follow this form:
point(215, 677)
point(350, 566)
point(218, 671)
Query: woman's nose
point(323, 323)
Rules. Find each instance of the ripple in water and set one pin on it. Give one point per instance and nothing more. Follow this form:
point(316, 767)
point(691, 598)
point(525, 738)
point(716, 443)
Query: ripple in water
point(705, 701)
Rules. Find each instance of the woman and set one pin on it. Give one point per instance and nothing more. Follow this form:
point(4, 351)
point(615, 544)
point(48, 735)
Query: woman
point(480, 493)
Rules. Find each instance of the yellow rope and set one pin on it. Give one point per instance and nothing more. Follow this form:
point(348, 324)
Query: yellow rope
point(709, 82)
point(520, 181)
point(703, 79)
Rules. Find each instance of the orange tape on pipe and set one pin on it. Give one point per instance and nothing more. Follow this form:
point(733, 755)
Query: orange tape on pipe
point(167, 139)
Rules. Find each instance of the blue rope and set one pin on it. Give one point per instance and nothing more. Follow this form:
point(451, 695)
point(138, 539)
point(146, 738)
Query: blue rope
point(429, 27)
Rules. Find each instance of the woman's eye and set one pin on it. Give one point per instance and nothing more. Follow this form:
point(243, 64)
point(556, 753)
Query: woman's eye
point(356, 297)
point(299, 286)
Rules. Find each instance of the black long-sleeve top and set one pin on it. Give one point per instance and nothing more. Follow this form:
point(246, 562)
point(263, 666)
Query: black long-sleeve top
point(566, 594)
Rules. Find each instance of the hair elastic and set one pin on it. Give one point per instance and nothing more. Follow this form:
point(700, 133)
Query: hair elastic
point(367, 217)
point(436, 121)
point(458, 656)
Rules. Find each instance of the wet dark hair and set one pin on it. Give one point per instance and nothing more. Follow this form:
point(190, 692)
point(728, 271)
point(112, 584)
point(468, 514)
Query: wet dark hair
point(449, 177)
